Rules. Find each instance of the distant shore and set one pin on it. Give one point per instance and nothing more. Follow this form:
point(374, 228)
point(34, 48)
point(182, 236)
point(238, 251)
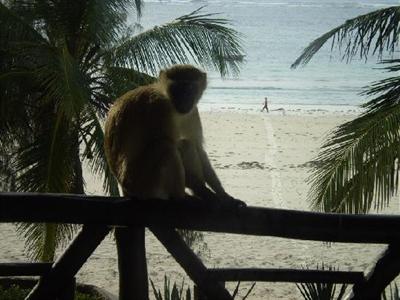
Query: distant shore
point(279, 109)
point(264, 160)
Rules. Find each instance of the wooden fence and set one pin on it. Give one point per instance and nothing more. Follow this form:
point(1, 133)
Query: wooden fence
point(162, 217)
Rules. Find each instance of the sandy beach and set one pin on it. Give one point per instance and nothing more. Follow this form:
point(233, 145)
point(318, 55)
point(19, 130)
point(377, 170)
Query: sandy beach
point(264, 160)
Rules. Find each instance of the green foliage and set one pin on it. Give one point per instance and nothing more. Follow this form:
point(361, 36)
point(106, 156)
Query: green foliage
point(322, 291)
point(391, 292)
point(195, 240)
point(358, 164)
point(173, 293)
point(14, 292)
point(178, 41)
point(62, 64)
point(236, 291)
point(176, 293)
point(358, 167)
point(80, 296)
point(372, 33)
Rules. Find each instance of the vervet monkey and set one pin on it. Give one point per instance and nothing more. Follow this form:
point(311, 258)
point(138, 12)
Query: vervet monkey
point(154, 138)
point(154, 146)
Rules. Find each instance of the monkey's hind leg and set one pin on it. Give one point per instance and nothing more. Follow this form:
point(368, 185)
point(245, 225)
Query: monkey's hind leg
point(172, 172)
point(159, 173)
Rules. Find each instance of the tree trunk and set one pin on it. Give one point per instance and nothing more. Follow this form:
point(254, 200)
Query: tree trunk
point(49, 243)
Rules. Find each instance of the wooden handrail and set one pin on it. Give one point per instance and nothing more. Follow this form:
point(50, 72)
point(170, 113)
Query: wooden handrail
point(191, 213)
point(286, 275)
point(24, 269)
point(200, 215)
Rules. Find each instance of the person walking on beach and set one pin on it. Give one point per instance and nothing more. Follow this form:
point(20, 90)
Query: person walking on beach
point(265, 105)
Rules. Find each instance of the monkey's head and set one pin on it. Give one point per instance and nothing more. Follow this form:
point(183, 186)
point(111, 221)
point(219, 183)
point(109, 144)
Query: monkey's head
point(185, 85)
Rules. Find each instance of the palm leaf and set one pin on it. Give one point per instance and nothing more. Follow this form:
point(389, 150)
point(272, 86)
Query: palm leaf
point(62, 82)
point(321, 291)
point(373, 32)
point(46, 165)
point(15, 29)
point(201, 38)
point(115, 82)
point(41, 240)
point(93, 135)
point(359, 164)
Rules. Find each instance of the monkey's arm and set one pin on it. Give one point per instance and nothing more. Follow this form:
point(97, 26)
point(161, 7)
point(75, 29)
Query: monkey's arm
point(213, 181)
point(193, 129)
point(210, 176)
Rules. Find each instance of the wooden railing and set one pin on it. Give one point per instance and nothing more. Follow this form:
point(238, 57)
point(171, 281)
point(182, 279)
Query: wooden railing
point(162, 217)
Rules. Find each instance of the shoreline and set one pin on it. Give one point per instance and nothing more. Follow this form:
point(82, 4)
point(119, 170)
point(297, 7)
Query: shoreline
point(283, 109)
point(262, 159)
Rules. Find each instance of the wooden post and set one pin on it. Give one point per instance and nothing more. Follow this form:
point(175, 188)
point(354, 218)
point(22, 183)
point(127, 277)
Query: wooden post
point(133, 279)
point(68, 291)
point(188, 260)
point(197, 294)
point(386, 269)
point(66, 267)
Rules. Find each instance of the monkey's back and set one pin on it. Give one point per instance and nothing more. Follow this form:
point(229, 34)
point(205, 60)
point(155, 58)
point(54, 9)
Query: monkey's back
point(138, 122)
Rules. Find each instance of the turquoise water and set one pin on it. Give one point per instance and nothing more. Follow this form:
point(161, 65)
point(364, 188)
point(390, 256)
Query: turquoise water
point(274, 34)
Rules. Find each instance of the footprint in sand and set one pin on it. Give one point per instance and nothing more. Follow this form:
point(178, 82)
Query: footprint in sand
point(220, 166)
point(310, 164)
point(250, 165)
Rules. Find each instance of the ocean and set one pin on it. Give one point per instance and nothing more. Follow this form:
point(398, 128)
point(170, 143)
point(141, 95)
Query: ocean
point(274, 33)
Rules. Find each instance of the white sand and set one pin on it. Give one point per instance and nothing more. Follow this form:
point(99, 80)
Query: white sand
point(261, 159)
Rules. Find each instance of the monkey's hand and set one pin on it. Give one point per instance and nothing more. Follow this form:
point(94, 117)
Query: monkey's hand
point(228, 199)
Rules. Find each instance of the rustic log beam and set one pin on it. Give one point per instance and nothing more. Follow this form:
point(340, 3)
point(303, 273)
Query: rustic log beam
point(132, 263)
point(192, 265)
point(286, 275)
point(66, 267)
point(67, 292)
point(200, 215)
point(24, 269)
point(385, 270)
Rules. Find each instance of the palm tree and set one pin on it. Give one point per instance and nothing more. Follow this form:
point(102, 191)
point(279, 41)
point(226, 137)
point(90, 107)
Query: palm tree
point(359, 162)
point(62, 63)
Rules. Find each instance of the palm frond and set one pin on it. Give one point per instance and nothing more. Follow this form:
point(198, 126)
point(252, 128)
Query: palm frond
point(45, 164)
point(101, 22)
point(62, 82)
point(200, 38)
point(41, 240)
point(17, 106)
point(7, 174)
point(93, 135)
point(322, 291)
point(139, 7)
point(359, 164)
point(15, 29)
point(53, 73)
point(371, 33)
point(117, 80)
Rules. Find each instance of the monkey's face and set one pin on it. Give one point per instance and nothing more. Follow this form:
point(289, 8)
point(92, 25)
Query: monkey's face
point(185, 85)
point(185, 94)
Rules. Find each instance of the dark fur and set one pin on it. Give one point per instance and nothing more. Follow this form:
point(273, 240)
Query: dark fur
point(142, 137)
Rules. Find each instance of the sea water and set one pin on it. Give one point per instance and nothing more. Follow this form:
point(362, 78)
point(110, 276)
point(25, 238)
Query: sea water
point(274, 33)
